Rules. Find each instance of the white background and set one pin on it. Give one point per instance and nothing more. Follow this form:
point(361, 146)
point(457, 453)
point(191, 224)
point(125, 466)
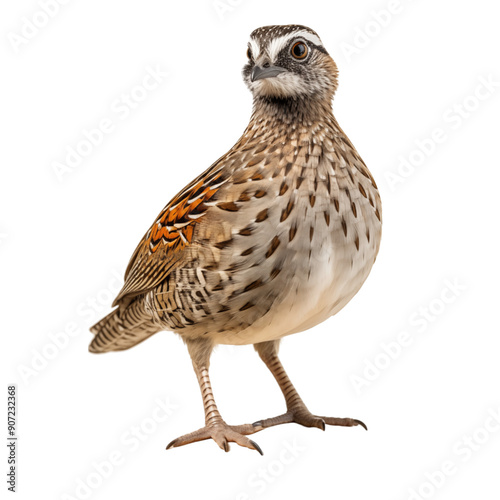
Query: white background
point(65, 239)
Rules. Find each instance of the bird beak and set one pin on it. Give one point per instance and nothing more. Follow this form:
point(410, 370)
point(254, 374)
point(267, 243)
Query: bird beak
point(259, 73)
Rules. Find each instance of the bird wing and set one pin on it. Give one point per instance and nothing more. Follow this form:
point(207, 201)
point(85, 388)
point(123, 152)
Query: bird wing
point(163, 246)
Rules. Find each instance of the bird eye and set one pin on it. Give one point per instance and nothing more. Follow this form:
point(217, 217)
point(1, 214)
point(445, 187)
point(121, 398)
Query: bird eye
point(299, 50)
point(249, 53)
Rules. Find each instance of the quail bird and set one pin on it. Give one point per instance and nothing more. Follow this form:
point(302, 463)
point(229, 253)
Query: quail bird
point(275, 237)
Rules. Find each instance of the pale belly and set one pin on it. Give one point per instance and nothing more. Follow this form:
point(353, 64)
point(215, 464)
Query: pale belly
point(314, 290)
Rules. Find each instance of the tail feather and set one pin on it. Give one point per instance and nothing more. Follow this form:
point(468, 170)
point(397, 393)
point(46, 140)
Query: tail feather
point(122, 329)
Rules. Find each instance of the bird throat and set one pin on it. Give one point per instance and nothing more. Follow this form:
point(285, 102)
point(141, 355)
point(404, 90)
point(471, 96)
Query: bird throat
point(297, 110)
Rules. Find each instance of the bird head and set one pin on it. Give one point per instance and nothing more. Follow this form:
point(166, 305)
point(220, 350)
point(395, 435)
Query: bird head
point(289, 62)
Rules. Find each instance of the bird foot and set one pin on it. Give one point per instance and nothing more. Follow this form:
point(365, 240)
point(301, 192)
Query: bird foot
point(303, 416)
point(222, 434)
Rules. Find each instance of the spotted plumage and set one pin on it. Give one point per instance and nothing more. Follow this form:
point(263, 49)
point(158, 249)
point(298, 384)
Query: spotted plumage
point(274, 238)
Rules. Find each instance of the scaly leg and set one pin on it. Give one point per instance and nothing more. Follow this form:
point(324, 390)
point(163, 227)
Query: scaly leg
point(296, 409)
point(215, 427)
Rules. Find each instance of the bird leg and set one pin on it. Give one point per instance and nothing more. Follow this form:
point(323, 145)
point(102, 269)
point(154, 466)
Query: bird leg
point(215, 427)
point(296, 409)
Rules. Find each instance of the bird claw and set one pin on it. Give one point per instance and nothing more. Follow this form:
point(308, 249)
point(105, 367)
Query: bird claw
point(303, 416)
point(344, 422)
point(222, 434)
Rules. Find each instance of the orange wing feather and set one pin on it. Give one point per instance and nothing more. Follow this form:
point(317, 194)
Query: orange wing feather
point(161, 248)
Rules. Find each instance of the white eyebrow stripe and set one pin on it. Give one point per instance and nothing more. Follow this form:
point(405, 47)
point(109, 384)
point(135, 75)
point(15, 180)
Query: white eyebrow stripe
point(254, 46)
point(310, 37)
